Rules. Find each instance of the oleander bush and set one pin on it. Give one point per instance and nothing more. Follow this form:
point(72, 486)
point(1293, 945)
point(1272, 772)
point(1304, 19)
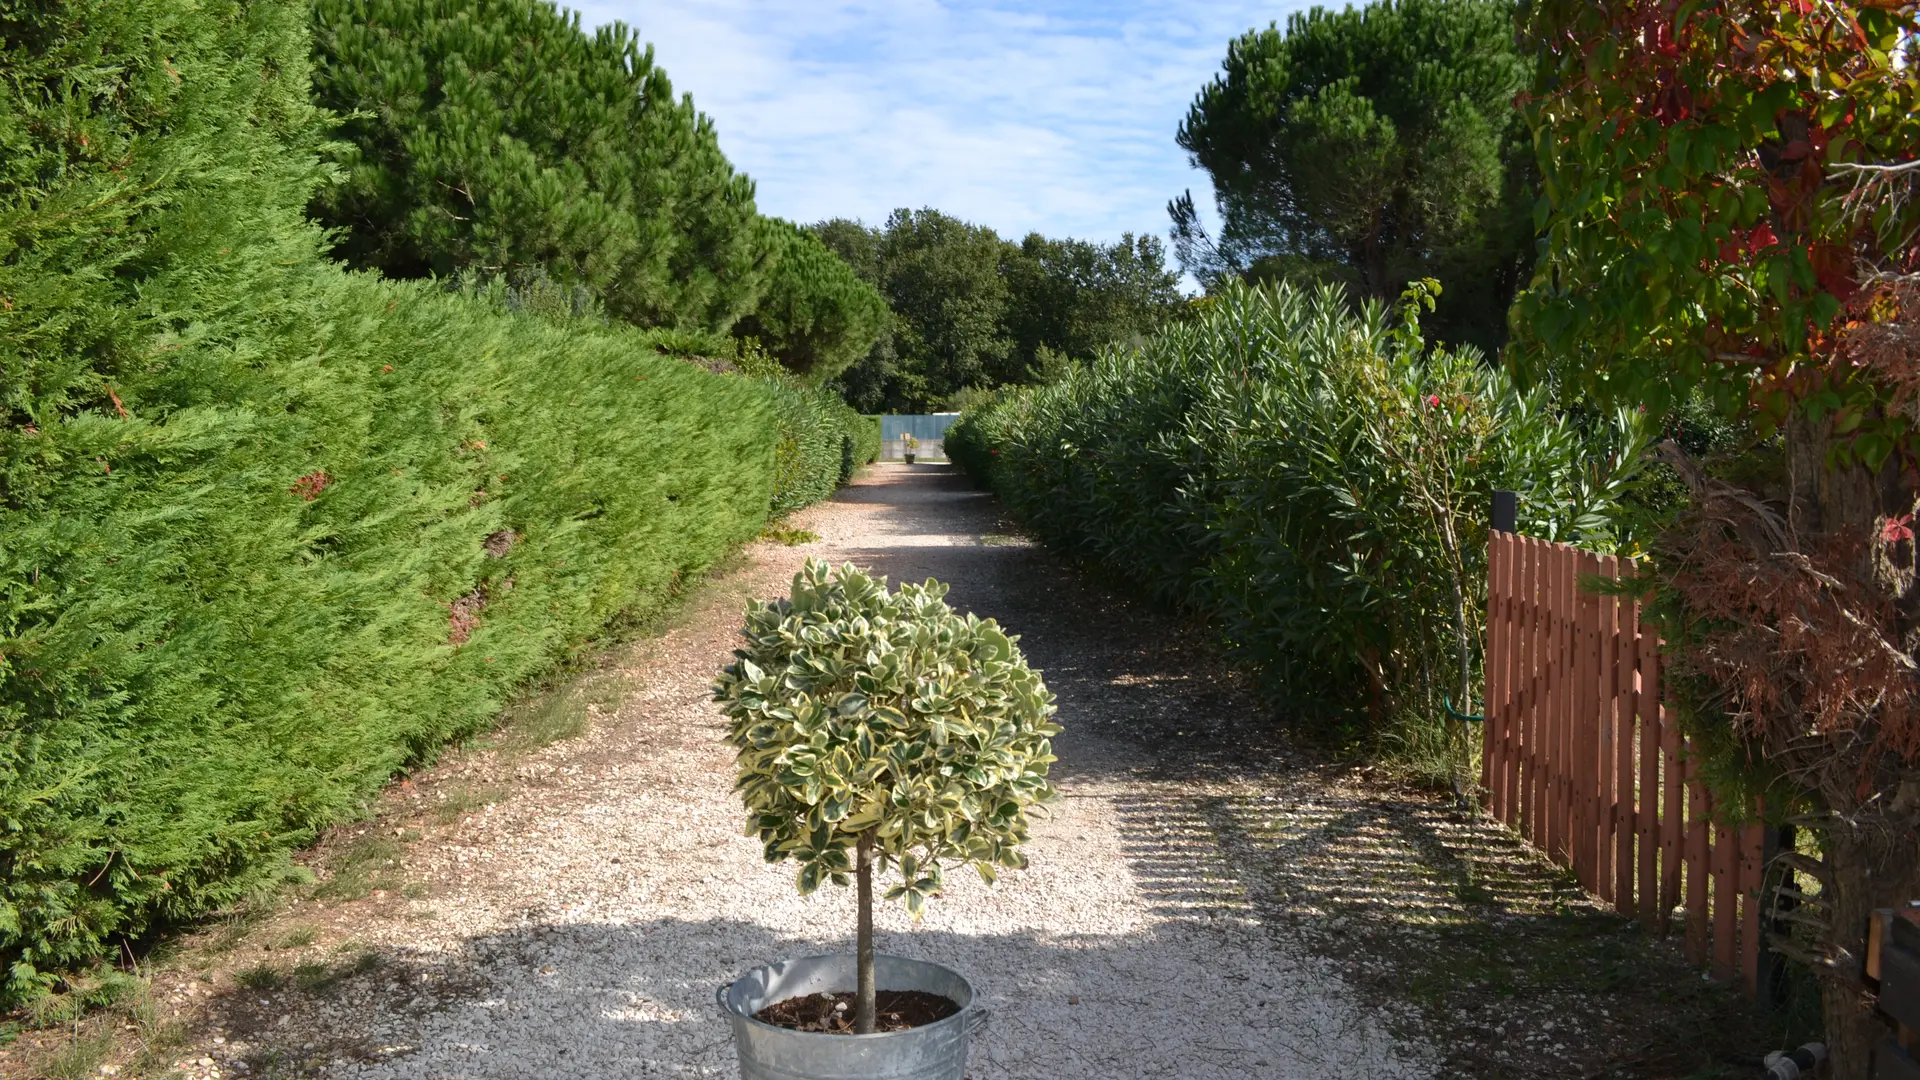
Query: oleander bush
point(271, 530)
point(1315, 479)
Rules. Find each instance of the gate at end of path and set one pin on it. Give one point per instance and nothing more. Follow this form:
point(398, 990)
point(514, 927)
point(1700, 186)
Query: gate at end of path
point(1582, 757)
point(929, 428)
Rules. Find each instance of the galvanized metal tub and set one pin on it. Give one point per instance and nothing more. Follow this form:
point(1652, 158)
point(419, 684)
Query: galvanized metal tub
point(936, 1051)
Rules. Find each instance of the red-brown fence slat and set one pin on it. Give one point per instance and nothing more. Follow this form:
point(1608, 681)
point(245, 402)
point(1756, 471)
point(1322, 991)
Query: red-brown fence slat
point(1726, 909)
point(1586, 722)
point(1489, 666)
point(1751, 871)
point(1623, 819)
point(1523, 673)
point(1699, 808)
point(1556, 669)
point(1540, 656)
point(1562, 745)
point(1515, 681)
point(1599, 738)
point(1673, 793)
point(1650, 827)
point(1500, 691)
point(1559, 767)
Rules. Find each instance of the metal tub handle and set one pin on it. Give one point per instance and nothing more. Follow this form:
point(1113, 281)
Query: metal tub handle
point(977, 1021)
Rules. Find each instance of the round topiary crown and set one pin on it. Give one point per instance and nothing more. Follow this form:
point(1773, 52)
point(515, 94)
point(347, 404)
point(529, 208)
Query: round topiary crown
point(858, 710)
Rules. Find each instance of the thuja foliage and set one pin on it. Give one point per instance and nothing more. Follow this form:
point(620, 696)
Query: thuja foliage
point(271, 530)
point(819, 441)
point(863, 711)
point(499, 135)
point(1316, 480)
point(819, 446)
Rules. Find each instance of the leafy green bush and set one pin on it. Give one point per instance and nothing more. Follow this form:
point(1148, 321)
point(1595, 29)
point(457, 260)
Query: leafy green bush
point(856, 708)
point(271, 530)
point(1316, 481)
point(882, 729)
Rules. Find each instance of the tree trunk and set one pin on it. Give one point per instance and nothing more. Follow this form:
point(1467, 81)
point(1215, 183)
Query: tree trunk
point(863, 949)
point(1871, 869)
point(1375, 256)
point(1871, 852)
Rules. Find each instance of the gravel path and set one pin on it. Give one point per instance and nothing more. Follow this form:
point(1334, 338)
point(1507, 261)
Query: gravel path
point(577, 925)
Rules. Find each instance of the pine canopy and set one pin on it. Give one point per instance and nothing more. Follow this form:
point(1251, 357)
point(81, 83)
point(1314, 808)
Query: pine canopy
point(497, 135)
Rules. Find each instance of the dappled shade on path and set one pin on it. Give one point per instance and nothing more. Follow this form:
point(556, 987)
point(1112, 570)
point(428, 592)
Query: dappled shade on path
point(1205, 901)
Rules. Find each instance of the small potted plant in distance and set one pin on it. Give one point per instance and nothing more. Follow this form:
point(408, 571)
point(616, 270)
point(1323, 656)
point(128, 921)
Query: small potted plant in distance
point(912, 445)
point(879, 733)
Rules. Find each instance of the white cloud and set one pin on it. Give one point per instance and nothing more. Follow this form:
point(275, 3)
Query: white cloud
point(1050, 116)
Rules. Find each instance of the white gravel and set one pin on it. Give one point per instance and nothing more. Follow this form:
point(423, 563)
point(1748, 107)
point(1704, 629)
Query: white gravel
point(579, 927)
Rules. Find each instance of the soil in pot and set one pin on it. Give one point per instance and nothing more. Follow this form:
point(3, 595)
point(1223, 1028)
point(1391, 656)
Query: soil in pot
point(832, 1014)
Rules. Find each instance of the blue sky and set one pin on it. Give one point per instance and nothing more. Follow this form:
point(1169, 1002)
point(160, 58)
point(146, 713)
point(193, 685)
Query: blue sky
point(1052, 115)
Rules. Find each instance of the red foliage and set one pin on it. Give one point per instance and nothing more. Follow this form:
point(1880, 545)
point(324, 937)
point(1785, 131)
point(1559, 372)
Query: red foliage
point(463, 615)
point(311, 485)
point(1802, 644)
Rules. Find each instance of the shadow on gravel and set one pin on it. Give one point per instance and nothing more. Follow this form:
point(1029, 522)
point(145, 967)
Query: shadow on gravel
point(587, 1000)
point(1443, 924)
point(1517, 972)
point(1123, 669)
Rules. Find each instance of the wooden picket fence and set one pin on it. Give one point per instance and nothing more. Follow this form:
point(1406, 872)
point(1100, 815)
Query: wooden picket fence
point(1582, 760)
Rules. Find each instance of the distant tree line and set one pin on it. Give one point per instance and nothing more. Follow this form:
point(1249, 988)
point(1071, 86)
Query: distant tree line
point(973, 311)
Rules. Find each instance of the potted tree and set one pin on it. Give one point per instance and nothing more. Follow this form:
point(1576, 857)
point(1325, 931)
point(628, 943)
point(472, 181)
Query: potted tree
point(912, 445)
point(880, 735)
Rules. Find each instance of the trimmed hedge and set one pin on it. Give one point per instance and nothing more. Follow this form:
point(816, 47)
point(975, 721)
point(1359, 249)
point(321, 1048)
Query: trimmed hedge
point(866, 439)
point(270, 530)
point(1315, 481)
point(821, 443)
point(282, 595)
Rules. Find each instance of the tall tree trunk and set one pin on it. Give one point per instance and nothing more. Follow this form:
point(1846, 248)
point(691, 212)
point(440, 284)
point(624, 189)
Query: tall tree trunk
point(1375, 257)
point(863, 950)
point(1871, 850)
point(1871, 868)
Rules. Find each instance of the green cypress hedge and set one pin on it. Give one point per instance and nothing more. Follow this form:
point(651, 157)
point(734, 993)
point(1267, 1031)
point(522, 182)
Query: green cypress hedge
point(270, 530)
point(820, 443)
point(866, 439)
